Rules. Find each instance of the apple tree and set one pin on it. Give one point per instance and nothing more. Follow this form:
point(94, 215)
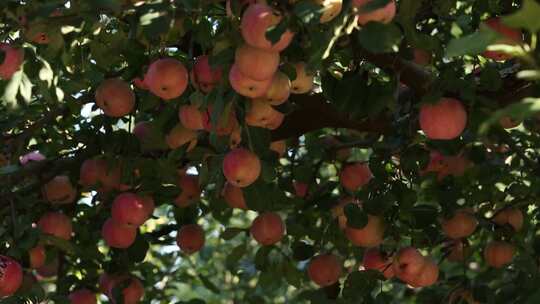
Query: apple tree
point(257, 151)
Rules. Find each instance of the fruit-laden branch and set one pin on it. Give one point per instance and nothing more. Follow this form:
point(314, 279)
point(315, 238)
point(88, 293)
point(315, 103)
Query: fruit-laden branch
point(313, 112)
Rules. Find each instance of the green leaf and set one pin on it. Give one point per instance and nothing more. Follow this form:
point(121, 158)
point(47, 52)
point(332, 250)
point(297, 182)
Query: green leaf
point(380, 38)
point(356, 217)
point(424, 215)
point(208, 284)
point(517, 111)
point(62, 244)
point(137, 251)
point(360, 283)
point(526, 17)
point(302, 251)
point(472, 44)
point(230, 233)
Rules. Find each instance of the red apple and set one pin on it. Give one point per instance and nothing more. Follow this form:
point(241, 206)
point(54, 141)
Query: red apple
point(324, 269)
point(377, 260)
point(37, 256)
point(256, 21)
point(279, 90)
point(82, 296)
point(354, 176)
point(370, 235)
point(234, 196)
point(246, 86)
point(428, 275)
point(59, 191)
point(128, 209)
point(268, 228)
point(11, 276)
point(241, 167)
point(190, 190)
point(190, 238)
point(203, 76)
point(167, 78)
point(263, 115)
point(408, 263)
point(384, 15)
point(118, 235)
point(498, 254)
point(443, 120)
point(460, 225)
point(115, 97)
point(13, 59)
point(257, 64)
point(56, 224)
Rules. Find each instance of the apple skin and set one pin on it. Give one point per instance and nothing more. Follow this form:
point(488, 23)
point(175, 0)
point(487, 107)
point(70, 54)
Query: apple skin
point(13, 59)
point(325, 269)
point(268, 228)
point(234, 196)
point(246, 86)
point(92, 171)
point(408, 263)
point(303, 83)
point(384, 15)
point(279, 146)
point(300, 189)
point(460, 225)
point(374, 259)
point(224, 125)
point(190, 238)
point(279, 90)
point(11, 276)
point(82, 296)
point(190, 190)
point(179, 136)
point(511, 216)
point(132, 294)
point(443, 120)
point(56, 224)
point(508, 123)
point(510, 36)
point(203, 76)
point(330, 9)
point(118, 235)
point(59, 191)
point(422, 57)
point(458, 251)
point(256, 21)
point(128, 209)
point(167, 78)
point(115, 97)
point(263, 115)
point(498, 254)
point(428, 275)
point(37, 257)
point(370, 235)
point(257, 64)
point(191, 117)
point(445, 165)
point(354, 176)
point(241, 167)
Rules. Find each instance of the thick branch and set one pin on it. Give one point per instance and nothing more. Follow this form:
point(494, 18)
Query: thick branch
point(314, 113)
